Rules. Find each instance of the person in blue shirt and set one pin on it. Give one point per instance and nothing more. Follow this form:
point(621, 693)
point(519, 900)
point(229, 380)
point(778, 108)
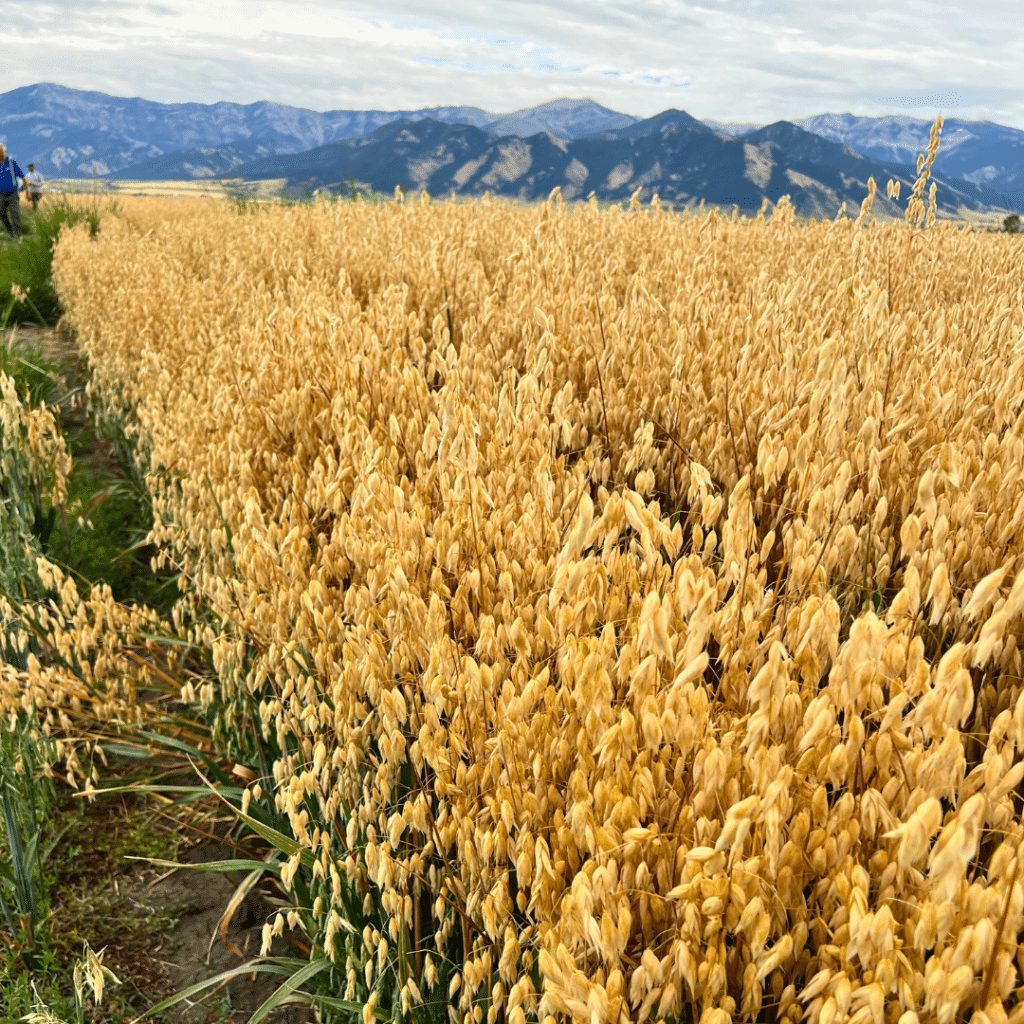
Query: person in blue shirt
point(10, 208)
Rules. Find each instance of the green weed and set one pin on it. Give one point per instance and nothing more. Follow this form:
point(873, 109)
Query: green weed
point(110, 544)
point(27, 262)
point(70, 855)
point(29, 367)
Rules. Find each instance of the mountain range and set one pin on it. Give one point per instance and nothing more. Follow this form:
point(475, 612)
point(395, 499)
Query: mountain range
point(580, 145)
point(78, 134)
point(672, 154)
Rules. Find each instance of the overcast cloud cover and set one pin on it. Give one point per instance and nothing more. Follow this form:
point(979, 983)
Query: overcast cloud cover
point(732, 60)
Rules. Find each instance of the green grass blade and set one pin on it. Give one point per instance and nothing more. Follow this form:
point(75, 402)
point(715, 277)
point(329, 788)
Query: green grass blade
point(294, 964)
point(22, 884)
point(289, 987)
point(278, 839)
point(345, 1004)
point(284, 843)
point(172, 640)
point(241, 864)
point(192, 794)
point(169, 741)
point(201, 986)
point(123, 750)
point(135, 788)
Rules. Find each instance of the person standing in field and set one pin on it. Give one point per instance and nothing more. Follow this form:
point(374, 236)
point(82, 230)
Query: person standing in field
point(10, 208)
point(34, 182)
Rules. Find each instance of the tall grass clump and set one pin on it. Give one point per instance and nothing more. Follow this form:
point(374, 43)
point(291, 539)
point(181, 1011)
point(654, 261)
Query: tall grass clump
point(27, 796)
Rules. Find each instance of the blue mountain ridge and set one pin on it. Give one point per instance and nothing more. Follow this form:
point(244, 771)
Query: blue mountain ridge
point(677, 157)
point(74, 133)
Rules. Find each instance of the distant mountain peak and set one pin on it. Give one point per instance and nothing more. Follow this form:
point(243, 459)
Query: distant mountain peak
point(567, 103)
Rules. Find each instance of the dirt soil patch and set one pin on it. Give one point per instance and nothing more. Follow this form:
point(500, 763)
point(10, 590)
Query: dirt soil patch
point(186, 955)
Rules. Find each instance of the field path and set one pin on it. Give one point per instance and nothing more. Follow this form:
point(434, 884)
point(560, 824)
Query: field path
point(58, 347)
point(196, 900)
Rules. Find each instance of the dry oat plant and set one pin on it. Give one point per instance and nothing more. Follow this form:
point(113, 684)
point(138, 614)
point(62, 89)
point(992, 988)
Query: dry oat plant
point(634, 601)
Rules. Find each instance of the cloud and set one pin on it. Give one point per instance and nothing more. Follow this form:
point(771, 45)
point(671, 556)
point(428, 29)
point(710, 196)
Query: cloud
point(953, 98)
point(736, 60)
point(481, 67)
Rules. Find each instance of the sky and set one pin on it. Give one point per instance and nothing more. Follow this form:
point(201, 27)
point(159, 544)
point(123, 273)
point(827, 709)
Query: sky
point(730, 60)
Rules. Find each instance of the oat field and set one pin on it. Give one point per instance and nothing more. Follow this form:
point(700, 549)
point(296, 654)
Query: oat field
point(634, 602)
